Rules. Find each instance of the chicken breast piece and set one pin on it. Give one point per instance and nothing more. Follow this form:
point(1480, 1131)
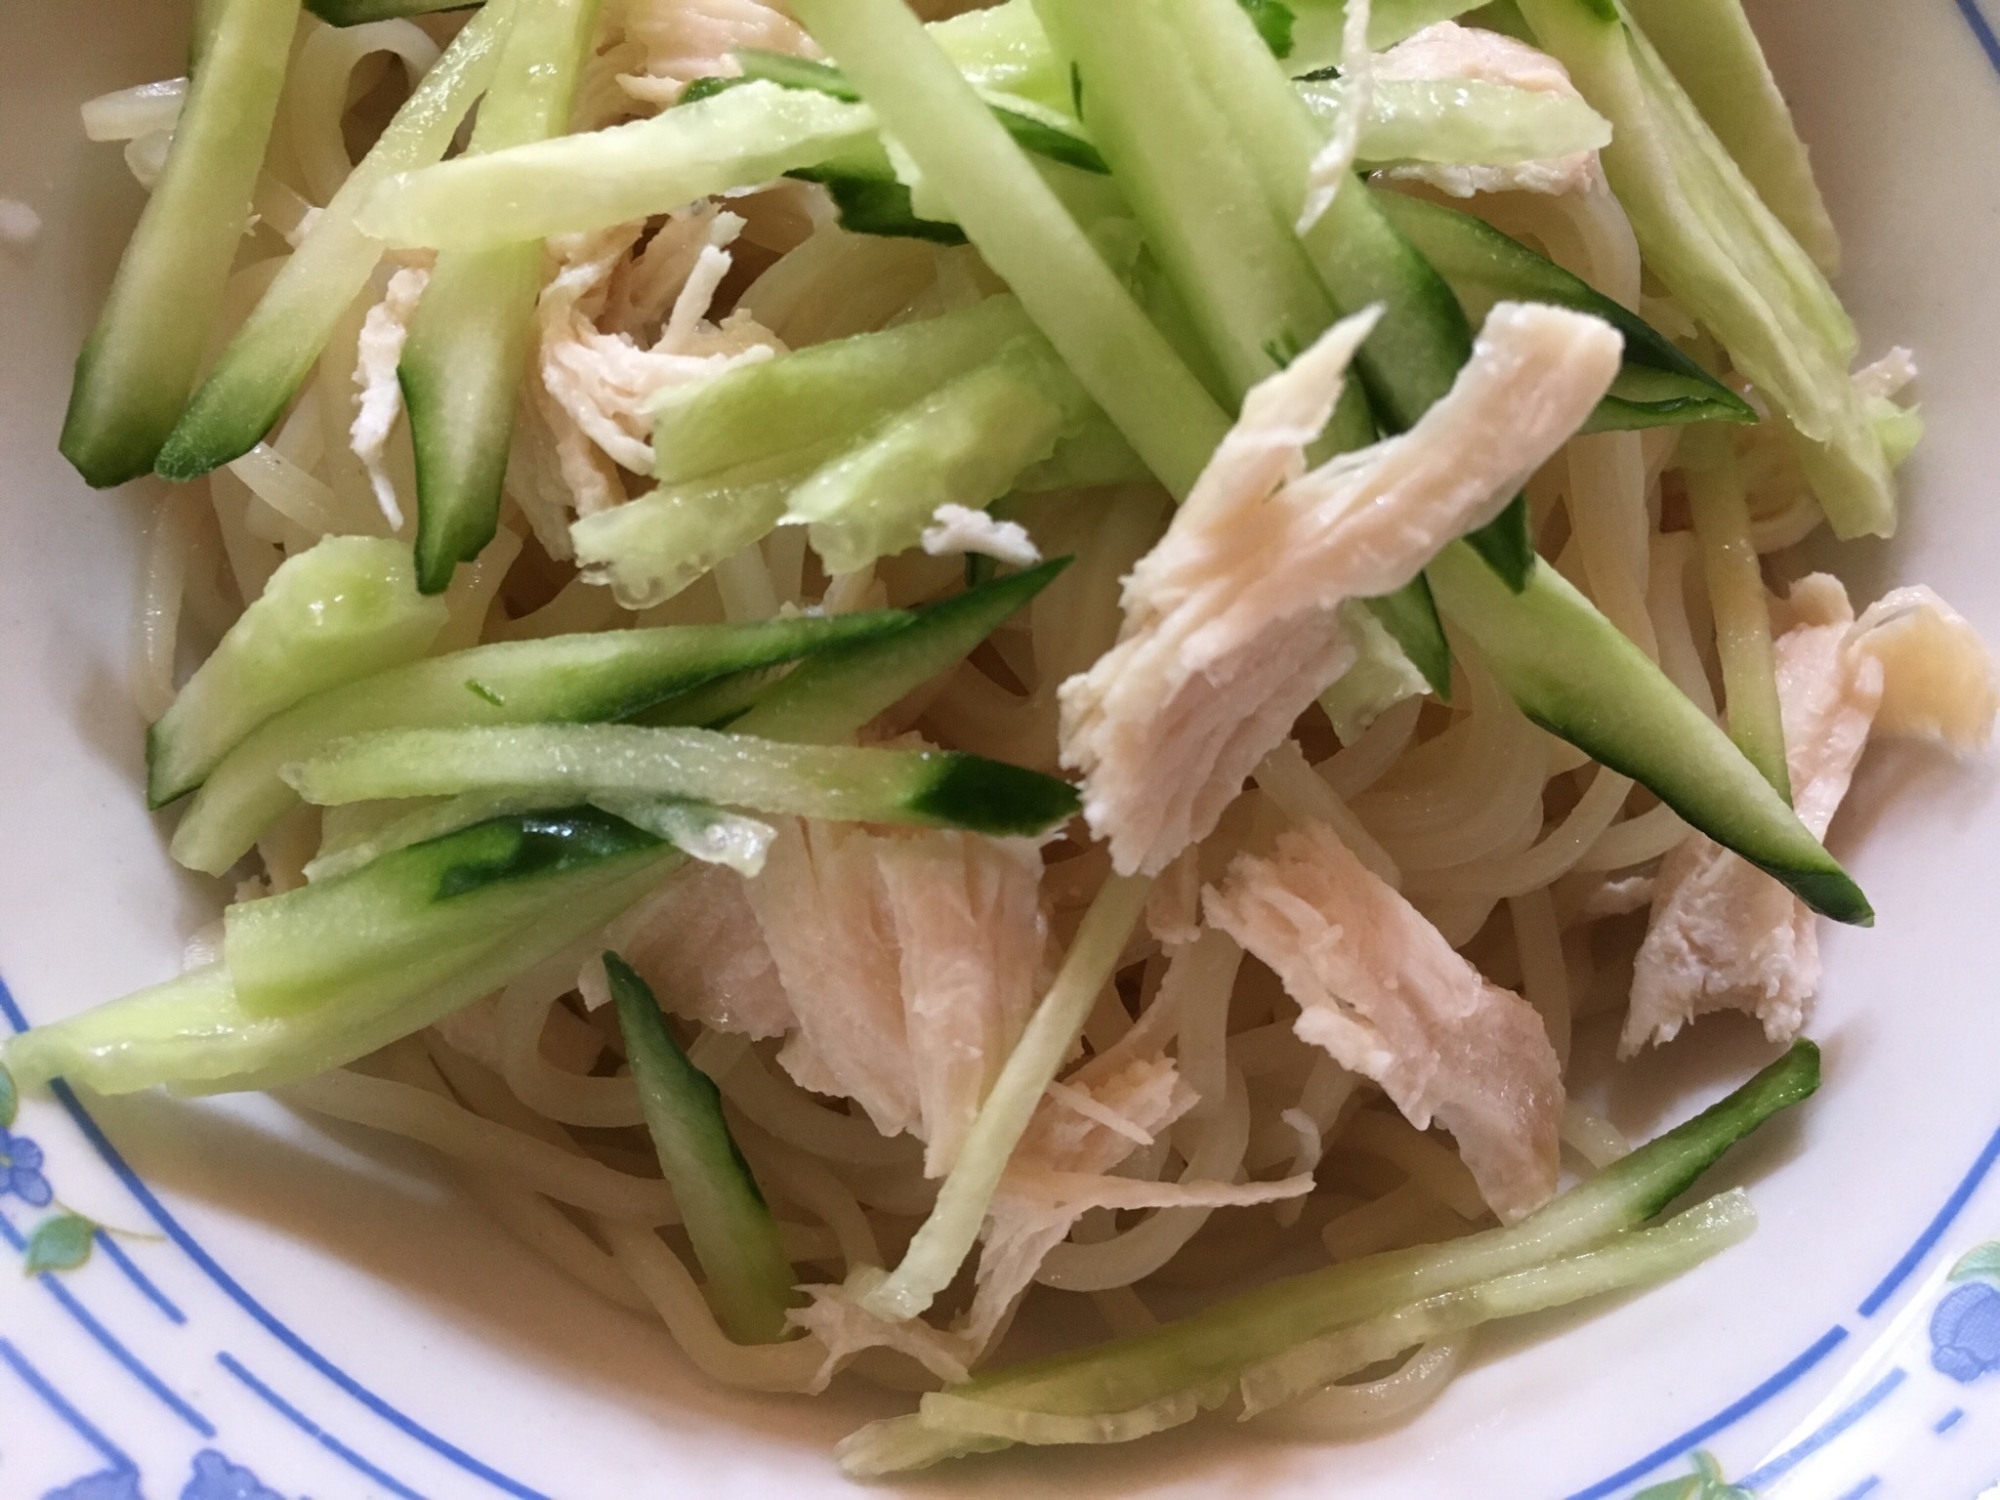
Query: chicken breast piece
point(1386, 996)
point(1230, 626)
point(910, 961)
point(1723, 934)
point(383, 333)
point(1447, 50)
point(1726, 936)
point(697, 944)
point(679, 41)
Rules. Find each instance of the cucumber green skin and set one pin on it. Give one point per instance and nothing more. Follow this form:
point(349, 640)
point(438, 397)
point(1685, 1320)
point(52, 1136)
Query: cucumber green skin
point(359, 12)
point(139, 364)
point(1220, 1342)
point(879, 206)
point(1483, 265)
point(750, 1283)
point(567, 679)
point(1575, 674)
point(824, 395)
point(463, 363)
point(413, 916)
point(461, 375)
point(275, 349)
point(1410, 616)
point(342, 610)
point(196, 1035)
point(829, 698)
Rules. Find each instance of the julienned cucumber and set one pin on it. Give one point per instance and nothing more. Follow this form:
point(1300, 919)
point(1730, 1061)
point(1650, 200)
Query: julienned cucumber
point(1576, 675)
point(139, 363)
point(565, 679)
point(749, 1281)
point(939, 788)
point(827, 699)
point(346, 608)
point(423, 909)
point(1660, 384)
point(360, 12)
point(324, 989)
point(797, 411)
point(275, 349)
point(462, 365)
point(1224, 1341)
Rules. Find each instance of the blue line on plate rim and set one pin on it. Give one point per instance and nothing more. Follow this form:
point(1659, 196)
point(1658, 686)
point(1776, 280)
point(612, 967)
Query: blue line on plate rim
point(1701, 1432)
point(109, 1342)
point(1934, 1231)
point(77, 1422)
point(313, 1430)
point(1982, 32)
point(234, 1290)
point(1826, 1432)
point(1867, 1486)
point(1949, 1420)
point(116, 1252)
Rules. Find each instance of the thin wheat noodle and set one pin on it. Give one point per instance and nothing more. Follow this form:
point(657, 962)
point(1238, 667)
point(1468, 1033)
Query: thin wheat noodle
point(551, 1235)
point(163, 587)
point(485, 1144)
point(1199, 981)
point(1544, 973)
point(251, 562)
point(1358, 766)
point(289, 490)
point(1406, 1215)
point(602, 1103)
point(1345, 1411)
point(1286, 778)
point(1547, 860)
point(788, 1112)
point(317, 98)
point(808, 1183)
point(1398, 1142)
point(1158, 1238)
point(1636, 840)
point(1666, 596)
point(1610, 528)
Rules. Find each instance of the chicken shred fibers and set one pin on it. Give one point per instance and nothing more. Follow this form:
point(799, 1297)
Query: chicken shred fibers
point(1447, 50)
point(678, 41)
point(383, 333)
point(1385, 995)
point(697, 944)
point(1723, 934)
point(910, 962)
point(1230, 625)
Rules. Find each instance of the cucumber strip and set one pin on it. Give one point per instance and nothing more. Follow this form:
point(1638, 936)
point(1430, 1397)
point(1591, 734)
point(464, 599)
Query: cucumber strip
point(698, 830)
point(964, 444)
point(803, 407)
point(878, 204)
point(651, 548)
point(946, 1237)
point(275, 349)
point(1317, 27)
point(343, 609)
point(1410, 616)
point(1238, 269)
point(1640, 1258)
point(933, 788)
point(1576, 675)
point(828, 699)
point(196, 1034)
point(1742, 615)
point(420, 910)
point(1022, 229)
point(140, 362)
point(1225, 1340)
point(1461, 120)
point(734, 1236)
point(740, 138)
point(1484, 266)
point(360, 12)
point(1381, 677)
point(468, 343)
point(572, 678)
point(1422, 338)
point(431, 820)
point(1003, 49)
point(1044, 137)
point(1714, 55)
point(1726, 257)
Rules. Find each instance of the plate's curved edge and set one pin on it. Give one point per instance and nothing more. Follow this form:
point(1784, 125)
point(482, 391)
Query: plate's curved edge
point(1948, 1335)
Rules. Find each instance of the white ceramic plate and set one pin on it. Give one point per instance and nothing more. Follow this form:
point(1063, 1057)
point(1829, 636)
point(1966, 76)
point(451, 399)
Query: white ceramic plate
point(275, 1311)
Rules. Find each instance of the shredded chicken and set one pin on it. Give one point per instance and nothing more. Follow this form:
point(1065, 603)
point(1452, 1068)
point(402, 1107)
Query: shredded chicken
point(696, 942)
point(383, 334)
point(1723, 934)
point(1381, 990)
point(1231, 626)
point(910, 961)
point(957, 529)
point(674, 42)
point(1447, 50)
